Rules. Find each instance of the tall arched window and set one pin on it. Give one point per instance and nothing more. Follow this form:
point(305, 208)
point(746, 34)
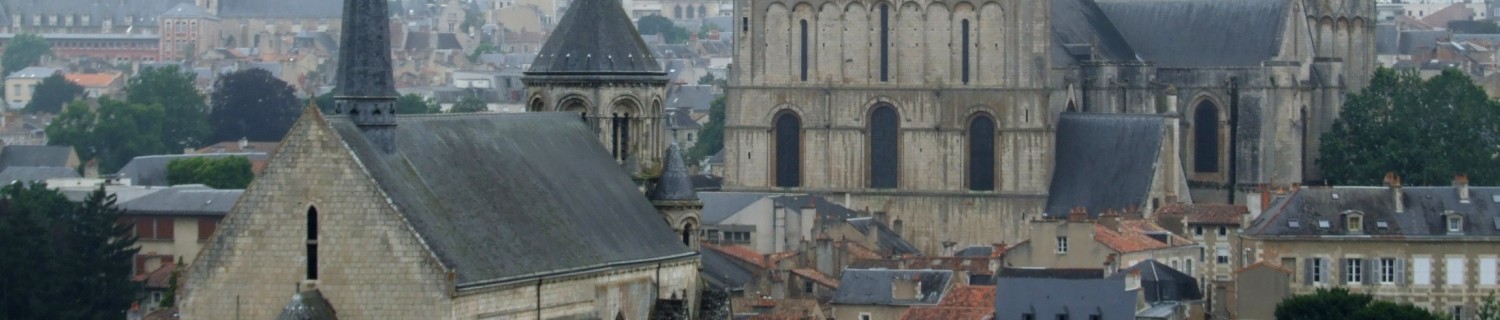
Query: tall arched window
point(1206, 137)
point(788, 129)
point(312, 243)
point(804, 50)
point(690, 12)
point(885, 42)
point(965, 35)
point(703, 12)
point(677, 12)
point(982, 153)
point(885, 155)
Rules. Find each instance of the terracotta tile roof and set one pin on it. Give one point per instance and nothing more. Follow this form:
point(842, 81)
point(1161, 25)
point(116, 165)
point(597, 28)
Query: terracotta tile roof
point(962, 302)
point(1132, 236)
point(1205, 213)
point(161, 278)
point(818, 277)
point(92, 80)
point(749, 255)
point(859, 251)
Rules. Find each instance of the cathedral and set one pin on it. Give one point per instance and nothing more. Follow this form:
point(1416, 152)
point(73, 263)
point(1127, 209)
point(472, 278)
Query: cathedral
point(940, 116)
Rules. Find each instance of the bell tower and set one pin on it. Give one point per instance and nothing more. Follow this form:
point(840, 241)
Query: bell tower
point(366, 90)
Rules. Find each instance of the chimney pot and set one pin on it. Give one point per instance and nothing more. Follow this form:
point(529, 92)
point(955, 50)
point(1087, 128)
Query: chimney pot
point(1394, 182)
point(1461, 182)
point(1079, 214)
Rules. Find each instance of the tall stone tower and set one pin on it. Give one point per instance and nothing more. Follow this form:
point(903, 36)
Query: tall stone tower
point(595, 64)
point(366, 90)
point(1343, 34)
point(674, 197)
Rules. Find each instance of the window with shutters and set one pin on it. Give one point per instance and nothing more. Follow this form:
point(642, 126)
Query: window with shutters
point(1317, 268)
point(981, 153)
point(1353, 271)
point(788, 147)
point(1221, 253)
point(206, 227)
point(1387, 271)
point(884, 146)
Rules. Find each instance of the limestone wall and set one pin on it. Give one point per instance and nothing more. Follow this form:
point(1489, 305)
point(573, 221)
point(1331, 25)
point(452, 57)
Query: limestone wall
point(627, 291)
point(1437, 296)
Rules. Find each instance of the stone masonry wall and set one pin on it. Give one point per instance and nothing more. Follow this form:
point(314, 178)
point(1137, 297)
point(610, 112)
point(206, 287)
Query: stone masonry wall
point(628, 291)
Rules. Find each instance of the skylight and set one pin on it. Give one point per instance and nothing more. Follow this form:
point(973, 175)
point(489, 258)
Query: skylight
point(1323, 224)
point(1294, 224)
point(1382, 224)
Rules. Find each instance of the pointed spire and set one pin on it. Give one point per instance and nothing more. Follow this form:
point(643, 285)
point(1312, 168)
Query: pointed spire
point(366, 91)
point(595, 37)
point(674, 183)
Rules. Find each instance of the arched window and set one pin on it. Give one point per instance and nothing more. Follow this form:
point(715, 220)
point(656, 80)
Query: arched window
point(312, 243)
point(885, 155)
point(687, 234)
point(677, 12)
point(620, 122)
point(804, 50)
point(982, 153)
point(1206, 137)
point(703, 12)
point(885, 42)
point(788, 129)
point(690, 12)
point(965, 36)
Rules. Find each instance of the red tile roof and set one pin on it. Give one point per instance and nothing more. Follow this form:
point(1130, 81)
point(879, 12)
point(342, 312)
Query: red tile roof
point(92, 80)
point(750, 256)
point(161, 278)
point(1132, 237)
point(818, 277)
point(961, 303)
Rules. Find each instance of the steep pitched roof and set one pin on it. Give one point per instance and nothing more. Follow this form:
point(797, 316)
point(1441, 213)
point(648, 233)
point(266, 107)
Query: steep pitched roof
point(890, 242)
point(1137, 236)
point(1305, 213)
point(595, 37)
point(873, 287)
point(674, 184)
point(722, 273)
point(1178, 33)
point(718, 206)
point(35, 156)
point(1080, 28)
point(500, 196)
point(1161, 283)
point(1105, 162)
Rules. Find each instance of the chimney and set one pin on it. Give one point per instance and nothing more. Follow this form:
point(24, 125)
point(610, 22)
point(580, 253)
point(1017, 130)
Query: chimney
point(1079, 214)
point(948, 247)
point(1110, 220)
point(1461, 182)
point(1394, 182)
point(244, 142)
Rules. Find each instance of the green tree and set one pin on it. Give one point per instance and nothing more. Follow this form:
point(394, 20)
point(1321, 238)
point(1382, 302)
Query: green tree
point(72, 261)
point(711, 137)
point(169, 299)
point(74, 127)
point(24, 50)
point(715, 304)
point(1425, 131)
point(412, 103)
point(52, 94)
point(186, 121)
point(115, 133)
point(469, 104)
point(325, 103)
point(1338, 303)
point(252, 104)
point(215, 172)
point(658, 25)
point(1489, 308)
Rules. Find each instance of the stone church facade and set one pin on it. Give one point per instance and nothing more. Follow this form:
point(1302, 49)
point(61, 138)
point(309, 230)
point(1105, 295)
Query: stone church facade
point(938, 116)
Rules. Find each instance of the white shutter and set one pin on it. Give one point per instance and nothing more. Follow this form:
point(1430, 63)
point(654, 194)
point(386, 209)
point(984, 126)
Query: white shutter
point(1455, 271)
point(1487, 270)
point(1421, 271)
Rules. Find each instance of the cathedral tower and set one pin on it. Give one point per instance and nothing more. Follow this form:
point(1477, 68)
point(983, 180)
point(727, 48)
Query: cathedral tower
point(596, 64)
point(1344, 47)
point(366, 91)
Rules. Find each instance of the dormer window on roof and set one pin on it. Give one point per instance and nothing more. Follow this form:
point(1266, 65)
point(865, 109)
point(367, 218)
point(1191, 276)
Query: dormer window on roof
point(1354, 221)
point(1454, 222)
point(1323, 224)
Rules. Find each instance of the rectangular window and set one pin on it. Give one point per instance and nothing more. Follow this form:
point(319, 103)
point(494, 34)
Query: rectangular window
point(1421, 270)
point(1062, 317)
point(1221, 253)
point(1062, 244)
point(864, 316)
point(1487, 271)
point(1198, 231)
point(1455, 224)
point(1319, 268)
point(1353, 272)
point(1455, 267)
point(206, 227)
point(1387, 271)
point(1458, 312)
point(1223, 231)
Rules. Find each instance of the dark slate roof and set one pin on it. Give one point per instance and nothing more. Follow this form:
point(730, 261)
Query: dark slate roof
point(1080, 28)
point(506, 196)
point(1387, 39)
point(697, 97)
point(1413, 41)
point(707, 182)
point(681, 119)
point(873, 286)
point(718, 206)
point(674, 184)
point(192, 199)
point(1104, 162)
point(188, 10)
point(1161, 283)
point(364, 61)
point(722, 273)
point(1051, 273)
point(35, 174)
point(1015, 296)
point(1177, 33)
point(595, 37)
point(1423, 215)
point(447, 41)
point(144, 11)
point(890, 242)
point(152, 170)
point(330, 9)
point(308, 305)
point(976, 251)
point(35, 156)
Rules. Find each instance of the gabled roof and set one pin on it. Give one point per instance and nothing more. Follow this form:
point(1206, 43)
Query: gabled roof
point(194, 199)
point(143, 11)
point(1161, 283)
point(93, 80)
point(718, 206)
point(1423, 214)
point(815, 276)
point(1080, 28)
point(1137, 235)
point(595, 37)
point(35, 174)
point(1216, 214)
point(510, 196)
point(722, 273)
point(874, 286)
point(36, 156)
point(1104, 162)
point(890, 242)
point(1178, 33)
point(961, 303)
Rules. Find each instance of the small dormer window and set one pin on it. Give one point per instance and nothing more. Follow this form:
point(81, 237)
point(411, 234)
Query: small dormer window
point(1355, 222)
point(1455, 223)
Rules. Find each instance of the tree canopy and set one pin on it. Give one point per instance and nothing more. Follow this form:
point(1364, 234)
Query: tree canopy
point(67, 261)
point(412, 103)
point(252, 104)
point(1425, 131)
point(214, 172)
point(132, 130)
point(469, 104)
point(24, 50)
point(711, 137)
point(52, 94)
point(1339, 304)
point(186, 124)
point(659, 25)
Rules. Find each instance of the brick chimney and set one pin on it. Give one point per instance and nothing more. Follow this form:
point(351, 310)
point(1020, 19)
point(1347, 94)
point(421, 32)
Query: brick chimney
point(1461, 182)
point(1394, 182)
point(1110, 220)
point(1079, 214)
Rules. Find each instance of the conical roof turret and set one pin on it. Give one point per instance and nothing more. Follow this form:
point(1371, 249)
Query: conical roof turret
point(595, 37)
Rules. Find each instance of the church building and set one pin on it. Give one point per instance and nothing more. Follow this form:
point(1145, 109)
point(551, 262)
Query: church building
point(940, 116)
point(472, 216)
